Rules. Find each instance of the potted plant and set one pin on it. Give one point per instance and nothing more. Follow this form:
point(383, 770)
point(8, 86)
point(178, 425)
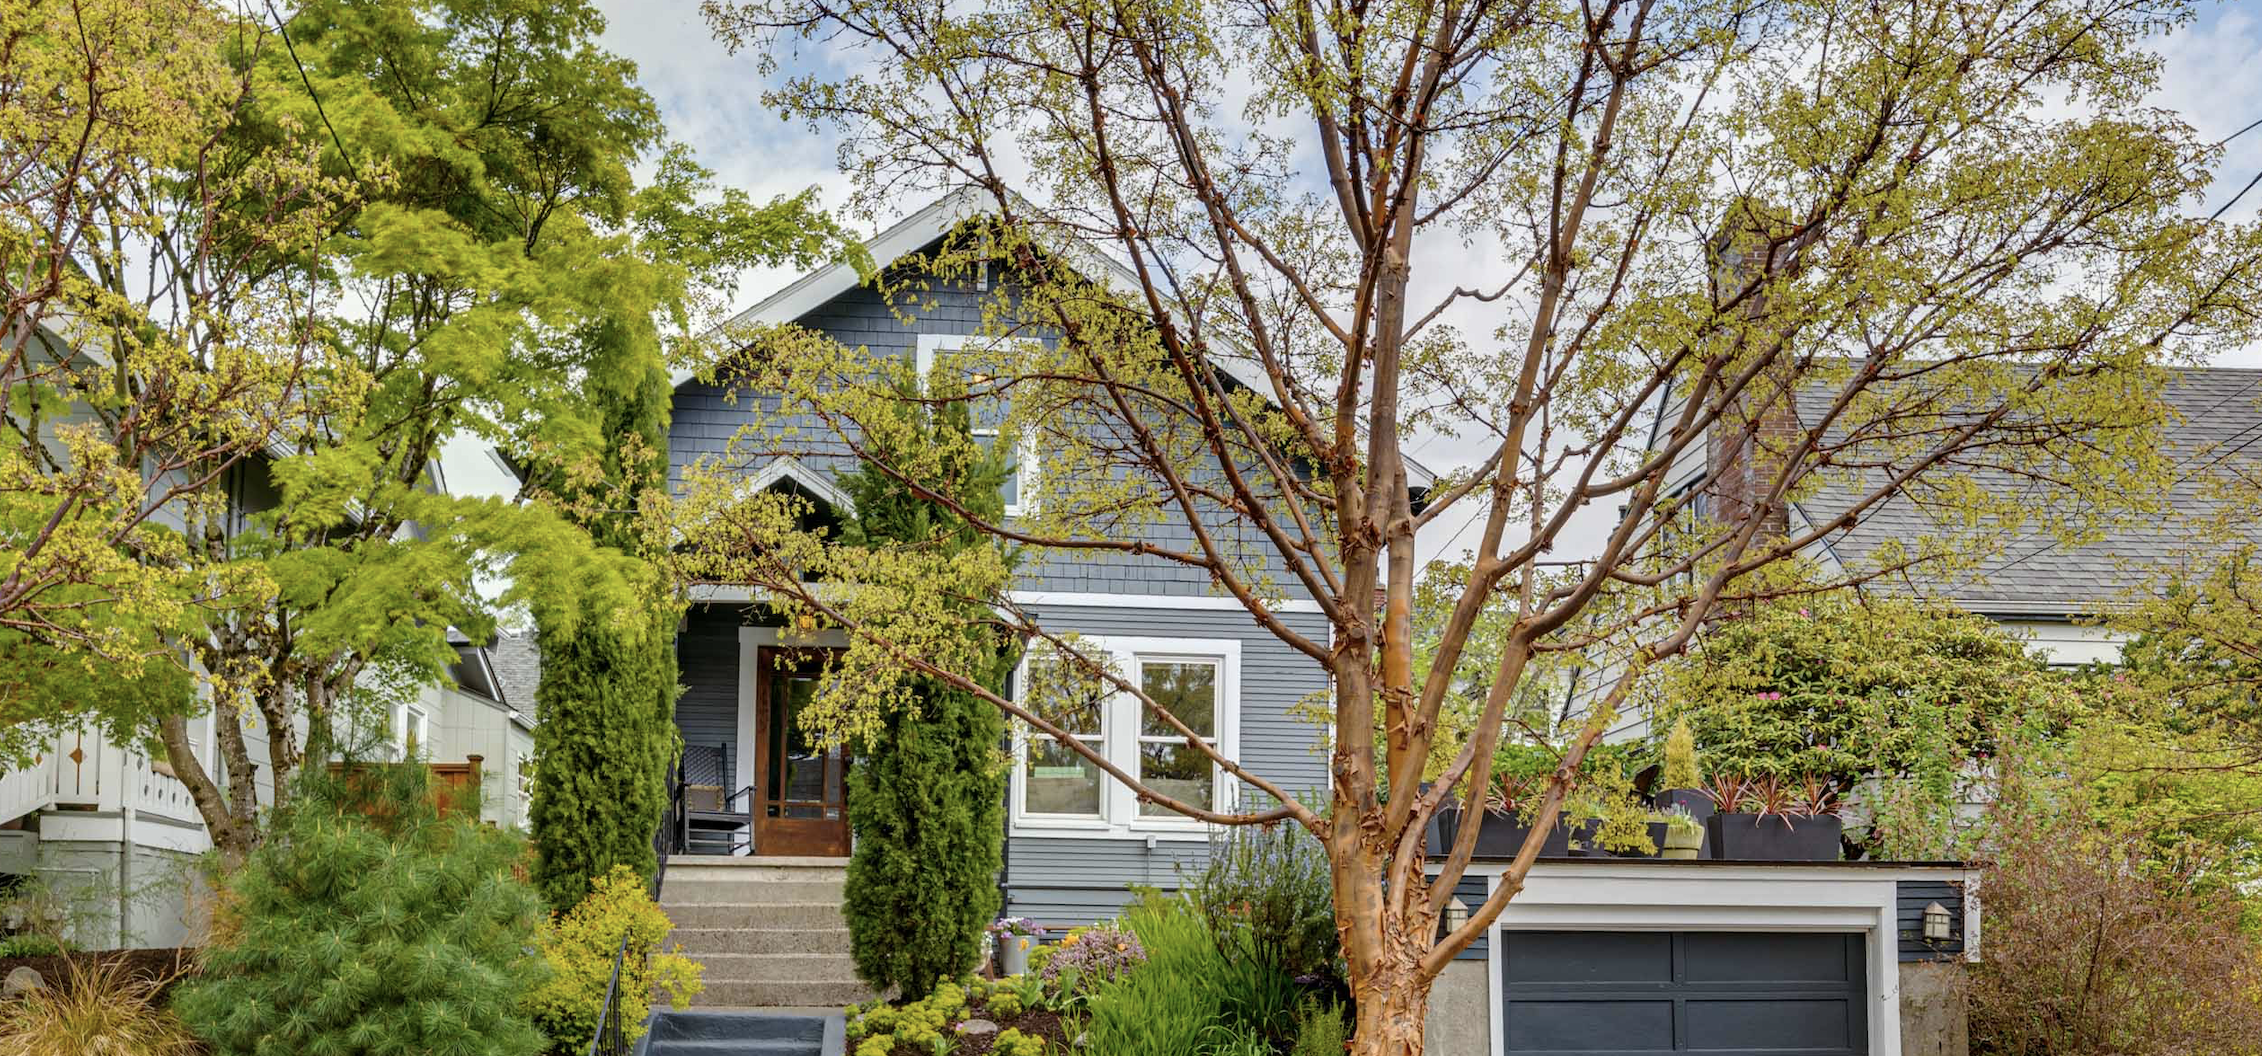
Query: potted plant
point(1014, 936)
point(1764, 819)
point(1681, 783)
point(1684, 834)
point(1502, 823)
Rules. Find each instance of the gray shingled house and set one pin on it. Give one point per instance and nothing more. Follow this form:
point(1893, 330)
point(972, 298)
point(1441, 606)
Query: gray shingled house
point(1731, 957)
point(1076, 841)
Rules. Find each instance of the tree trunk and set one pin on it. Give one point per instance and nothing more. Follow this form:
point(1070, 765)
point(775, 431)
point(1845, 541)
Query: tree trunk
point(1391, 1009)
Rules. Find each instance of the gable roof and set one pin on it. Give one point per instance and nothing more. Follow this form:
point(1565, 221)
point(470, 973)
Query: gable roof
point(2215, 415)
point(922, 228)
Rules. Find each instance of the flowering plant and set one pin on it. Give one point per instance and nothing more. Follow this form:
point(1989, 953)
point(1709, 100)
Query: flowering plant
point(1102, 953)
point(1013, 926)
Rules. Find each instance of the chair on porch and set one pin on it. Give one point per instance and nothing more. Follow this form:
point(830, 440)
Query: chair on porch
point(716, 820)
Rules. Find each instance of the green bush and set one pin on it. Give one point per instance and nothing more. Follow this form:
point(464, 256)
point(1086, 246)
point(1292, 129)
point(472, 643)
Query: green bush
point(927, 801)
point(1319, 1029)
point(607, 701)
point(30, 946)
point(579, 946)
point(368, 925)
point(1267, 889)
point(1192, 997)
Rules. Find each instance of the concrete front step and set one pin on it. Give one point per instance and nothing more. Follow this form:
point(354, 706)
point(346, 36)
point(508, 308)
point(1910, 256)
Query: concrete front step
point(723, 887)
point(762, 940)
point(823, 916)
point(831, 993)
point(773, 967)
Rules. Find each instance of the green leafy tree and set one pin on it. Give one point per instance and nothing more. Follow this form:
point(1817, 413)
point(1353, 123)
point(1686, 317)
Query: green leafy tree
point(1258, 248)
point(1850, 688)
point(408, 221)
point(927, 795)
point(371, 925)
point(152, 338)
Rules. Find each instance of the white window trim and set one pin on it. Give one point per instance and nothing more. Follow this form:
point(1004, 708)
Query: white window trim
point(1120, 718)
point(1025, 451)
point(416, 719)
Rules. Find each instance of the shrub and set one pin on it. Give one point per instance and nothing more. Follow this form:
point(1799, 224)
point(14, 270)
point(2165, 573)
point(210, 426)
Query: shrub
point(1192, 996)
point(1165, 1006)
point(607, 700)
point(373, 928)
point(1267, 889)
point(1011, 1042)
point(1319, 1029)
point(927, 801)
point(100, 1009)
point(928, 1022)
point(579, 947)
point(2093, 948)
point(30, 946)
point(1094, 956)
point(1680, 759)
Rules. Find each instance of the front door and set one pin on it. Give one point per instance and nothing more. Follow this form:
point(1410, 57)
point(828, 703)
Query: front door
point(800, 792)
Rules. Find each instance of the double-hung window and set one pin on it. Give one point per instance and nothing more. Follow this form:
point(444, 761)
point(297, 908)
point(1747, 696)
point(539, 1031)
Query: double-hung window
point(975, 362)
point(1056, 787)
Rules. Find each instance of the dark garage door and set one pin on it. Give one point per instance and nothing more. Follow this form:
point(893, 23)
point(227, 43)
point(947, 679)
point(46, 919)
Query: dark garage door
point(1637, 992)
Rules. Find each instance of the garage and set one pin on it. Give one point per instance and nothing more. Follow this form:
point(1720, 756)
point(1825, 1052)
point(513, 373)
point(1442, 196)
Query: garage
point(1723, 992)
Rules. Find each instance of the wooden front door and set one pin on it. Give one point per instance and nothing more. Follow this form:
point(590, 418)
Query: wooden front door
point(800, 792)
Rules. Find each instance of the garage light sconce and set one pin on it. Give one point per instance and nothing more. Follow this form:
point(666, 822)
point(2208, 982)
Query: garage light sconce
point(1937, 927)
point(1456, 914)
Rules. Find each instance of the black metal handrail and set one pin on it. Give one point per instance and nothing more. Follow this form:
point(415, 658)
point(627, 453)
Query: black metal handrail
point(612, 1036)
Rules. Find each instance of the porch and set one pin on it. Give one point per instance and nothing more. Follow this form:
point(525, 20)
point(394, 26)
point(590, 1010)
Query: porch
point(751, 782)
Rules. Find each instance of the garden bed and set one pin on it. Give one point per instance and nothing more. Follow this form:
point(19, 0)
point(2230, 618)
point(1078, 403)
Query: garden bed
point(168, 966)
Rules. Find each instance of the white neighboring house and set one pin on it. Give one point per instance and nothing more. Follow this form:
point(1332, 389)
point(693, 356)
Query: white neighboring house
point(118, 836)
point(110, 828)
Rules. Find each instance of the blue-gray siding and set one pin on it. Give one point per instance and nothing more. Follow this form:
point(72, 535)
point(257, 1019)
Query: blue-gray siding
point(1911, 896)
point(1077, 880)
point(706, 654)
point(707, 418)
point(1472, 891)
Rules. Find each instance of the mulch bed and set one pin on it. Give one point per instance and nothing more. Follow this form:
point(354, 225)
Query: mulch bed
point(1036, 1023)
point(169, 966)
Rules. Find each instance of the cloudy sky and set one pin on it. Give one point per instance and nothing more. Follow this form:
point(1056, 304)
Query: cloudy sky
point(712, 100)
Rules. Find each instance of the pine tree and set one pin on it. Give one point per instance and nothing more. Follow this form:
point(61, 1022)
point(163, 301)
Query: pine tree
point(927, 799)
point(607, 697)
point(369, 925)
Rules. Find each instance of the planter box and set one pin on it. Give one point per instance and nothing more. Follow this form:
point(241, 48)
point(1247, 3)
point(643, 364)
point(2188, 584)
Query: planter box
point(1583, 836)
point(1501, 837)
point(1699, 805)
point(1773, 838)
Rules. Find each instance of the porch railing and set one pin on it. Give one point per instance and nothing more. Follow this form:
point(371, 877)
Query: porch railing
point(612, 1034)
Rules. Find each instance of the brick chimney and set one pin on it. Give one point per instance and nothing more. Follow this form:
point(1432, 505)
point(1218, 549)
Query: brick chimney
point(1743, 468)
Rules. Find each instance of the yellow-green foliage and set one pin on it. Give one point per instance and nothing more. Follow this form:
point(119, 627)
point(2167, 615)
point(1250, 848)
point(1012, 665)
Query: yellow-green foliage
point(1681, 759)
point(1012, 1042)
point(579, 946)
point(926, 1022)
point(98, 1010)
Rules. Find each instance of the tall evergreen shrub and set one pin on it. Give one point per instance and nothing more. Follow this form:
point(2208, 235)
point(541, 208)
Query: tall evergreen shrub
point(607, 697)
point(927, 796)
point(368, 925)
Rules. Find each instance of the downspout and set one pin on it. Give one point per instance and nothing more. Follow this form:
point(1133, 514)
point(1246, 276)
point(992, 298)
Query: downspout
point(125, 869)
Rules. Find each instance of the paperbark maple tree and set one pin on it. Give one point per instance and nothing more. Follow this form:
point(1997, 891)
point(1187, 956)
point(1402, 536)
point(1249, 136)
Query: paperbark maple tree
point(1691, 260)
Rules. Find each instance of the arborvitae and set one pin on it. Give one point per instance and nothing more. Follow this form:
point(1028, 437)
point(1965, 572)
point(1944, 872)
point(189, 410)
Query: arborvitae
point(927, 796)
point(368, 925)
point(606, 706)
